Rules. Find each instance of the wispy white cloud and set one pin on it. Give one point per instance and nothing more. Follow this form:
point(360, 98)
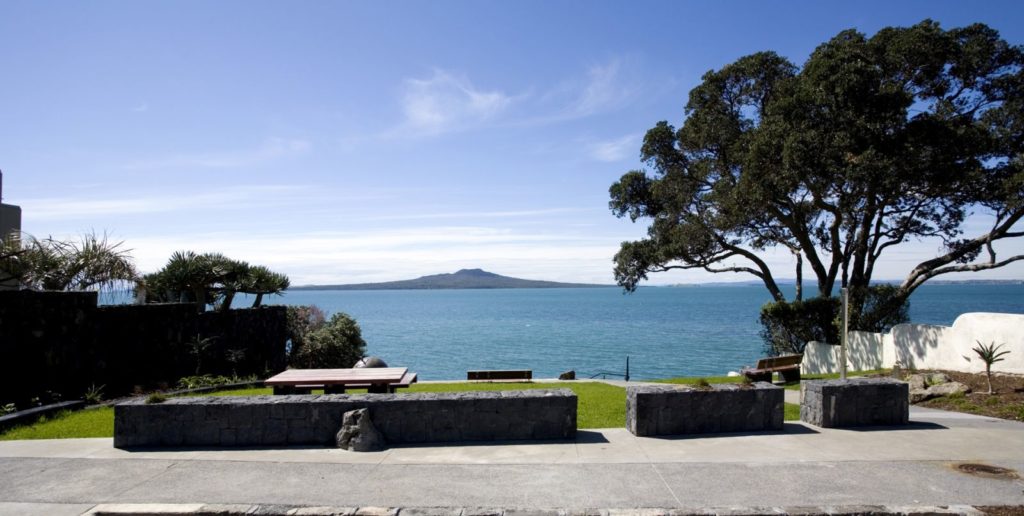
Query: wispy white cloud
point(270, 149)
point(445, 102)
point(480, 214)
point(616, 149)
point(56, 208)
point(141, 108)
point(604, 89)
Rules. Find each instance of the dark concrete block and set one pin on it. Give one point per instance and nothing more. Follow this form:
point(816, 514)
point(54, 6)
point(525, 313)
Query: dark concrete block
point(682, 409)
point(855, 402)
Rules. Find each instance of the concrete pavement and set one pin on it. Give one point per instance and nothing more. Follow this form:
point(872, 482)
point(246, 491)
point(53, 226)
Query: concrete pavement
point(801, 466)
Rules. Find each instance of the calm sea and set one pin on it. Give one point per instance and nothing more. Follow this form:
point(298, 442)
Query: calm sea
point(683, 331)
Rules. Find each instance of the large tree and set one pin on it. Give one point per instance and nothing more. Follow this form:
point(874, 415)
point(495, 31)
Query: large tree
point(872, 143)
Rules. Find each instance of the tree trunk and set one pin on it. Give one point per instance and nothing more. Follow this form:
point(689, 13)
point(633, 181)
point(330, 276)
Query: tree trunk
point(799, 276)
point(259, 300)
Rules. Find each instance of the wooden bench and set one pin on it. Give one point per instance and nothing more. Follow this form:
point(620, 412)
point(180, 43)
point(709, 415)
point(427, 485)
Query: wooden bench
point(407, 380)
point(787, 366)
point(336, 381)
point(508, 374)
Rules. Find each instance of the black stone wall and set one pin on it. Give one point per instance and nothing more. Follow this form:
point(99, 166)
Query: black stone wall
point(63, 342)
point(315, 419)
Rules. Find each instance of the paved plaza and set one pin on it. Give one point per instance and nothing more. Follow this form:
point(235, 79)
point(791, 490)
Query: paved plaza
point(610, 469)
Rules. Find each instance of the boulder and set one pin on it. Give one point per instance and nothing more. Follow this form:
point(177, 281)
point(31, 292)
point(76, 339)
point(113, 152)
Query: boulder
point(948, 388)
point(917, 382)
point(568, 375)
point(928, 386)
point(358, 433)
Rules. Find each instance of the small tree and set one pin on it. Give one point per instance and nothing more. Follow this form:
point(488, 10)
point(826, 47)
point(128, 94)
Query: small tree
point(990, 354)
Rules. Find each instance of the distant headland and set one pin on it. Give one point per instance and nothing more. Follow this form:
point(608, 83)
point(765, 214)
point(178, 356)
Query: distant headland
point(463, 279)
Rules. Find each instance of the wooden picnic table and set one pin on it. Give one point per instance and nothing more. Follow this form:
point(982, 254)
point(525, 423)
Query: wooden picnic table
point(374, 379)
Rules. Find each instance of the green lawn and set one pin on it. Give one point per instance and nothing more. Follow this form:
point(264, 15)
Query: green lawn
point(92, 422)
point(600, 406)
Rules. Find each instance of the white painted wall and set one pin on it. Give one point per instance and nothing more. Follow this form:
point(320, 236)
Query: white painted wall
point(925, 346)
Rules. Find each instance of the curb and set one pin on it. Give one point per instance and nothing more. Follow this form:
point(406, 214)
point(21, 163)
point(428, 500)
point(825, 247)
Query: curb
point(289, 510)
point(29, 416)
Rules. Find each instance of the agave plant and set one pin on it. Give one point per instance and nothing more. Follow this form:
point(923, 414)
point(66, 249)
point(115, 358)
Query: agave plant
point(990, 354)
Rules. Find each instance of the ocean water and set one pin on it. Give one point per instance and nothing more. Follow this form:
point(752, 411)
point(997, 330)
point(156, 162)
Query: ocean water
point(666, 332)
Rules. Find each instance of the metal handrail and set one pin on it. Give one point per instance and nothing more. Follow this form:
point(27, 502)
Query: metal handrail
point(604, 374)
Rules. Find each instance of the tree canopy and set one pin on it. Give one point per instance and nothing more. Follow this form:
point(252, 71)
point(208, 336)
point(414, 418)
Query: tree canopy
point(873, 142)
point(210, 278)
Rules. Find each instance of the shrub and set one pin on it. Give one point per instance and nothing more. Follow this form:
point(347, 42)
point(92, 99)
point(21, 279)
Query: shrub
point(787, 326)
point(302, 321)
point(156, 397)
point(93, 394)
point(205, 380)
point(339, 343)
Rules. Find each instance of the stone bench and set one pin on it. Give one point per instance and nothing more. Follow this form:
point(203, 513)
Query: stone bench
point(855, 402)
point(315, 419)
point(683, 409)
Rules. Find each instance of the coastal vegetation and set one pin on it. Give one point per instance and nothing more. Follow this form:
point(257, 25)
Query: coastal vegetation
point(210, 279)
point(873, 142)
point(93, 261)
point(319, 343)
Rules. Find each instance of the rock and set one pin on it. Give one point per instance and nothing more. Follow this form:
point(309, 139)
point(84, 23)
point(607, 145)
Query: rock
point(568, 375)
point(370, 362)
point(918, 395)
point(928, 386)
point(358, 433)
point(948, 388)
point(917, 382)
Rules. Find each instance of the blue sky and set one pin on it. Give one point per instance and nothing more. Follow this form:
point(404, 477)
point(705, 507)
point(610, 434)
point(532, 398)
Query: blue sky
point(372, 141)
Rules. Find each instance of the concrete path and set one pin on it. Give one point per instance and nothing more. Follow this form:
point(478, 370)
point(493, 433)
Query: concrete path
point(801, 466)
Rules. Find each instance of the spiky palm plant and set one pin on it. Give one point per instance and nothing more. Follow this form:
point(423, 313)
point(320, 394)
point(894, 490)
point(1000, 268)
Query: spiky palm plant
point(990, 354)
point(92, 262)
point(265, 281)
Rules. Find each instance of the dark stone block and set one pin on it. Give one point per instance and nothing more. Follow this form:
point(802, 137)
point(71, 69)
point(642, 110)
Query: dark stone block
point(855, 402)
point(680, 409)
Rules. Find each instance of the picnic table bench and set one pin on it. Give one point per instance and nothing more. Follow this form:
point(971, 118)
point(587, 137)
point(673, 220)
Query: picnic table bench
point(506, 374)
point(788, 367)
point(335, 381)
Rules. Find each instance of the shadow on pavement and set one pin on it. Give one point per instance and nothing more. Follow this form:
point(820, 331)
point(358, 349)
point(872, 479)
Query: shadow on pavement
point(787, 429)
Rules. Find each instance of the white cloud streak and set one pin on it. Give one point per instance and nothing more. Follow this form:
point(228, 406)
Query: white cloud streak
point(617, 149)
point(444, 103)
point(271, 149)
point(59, 208)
